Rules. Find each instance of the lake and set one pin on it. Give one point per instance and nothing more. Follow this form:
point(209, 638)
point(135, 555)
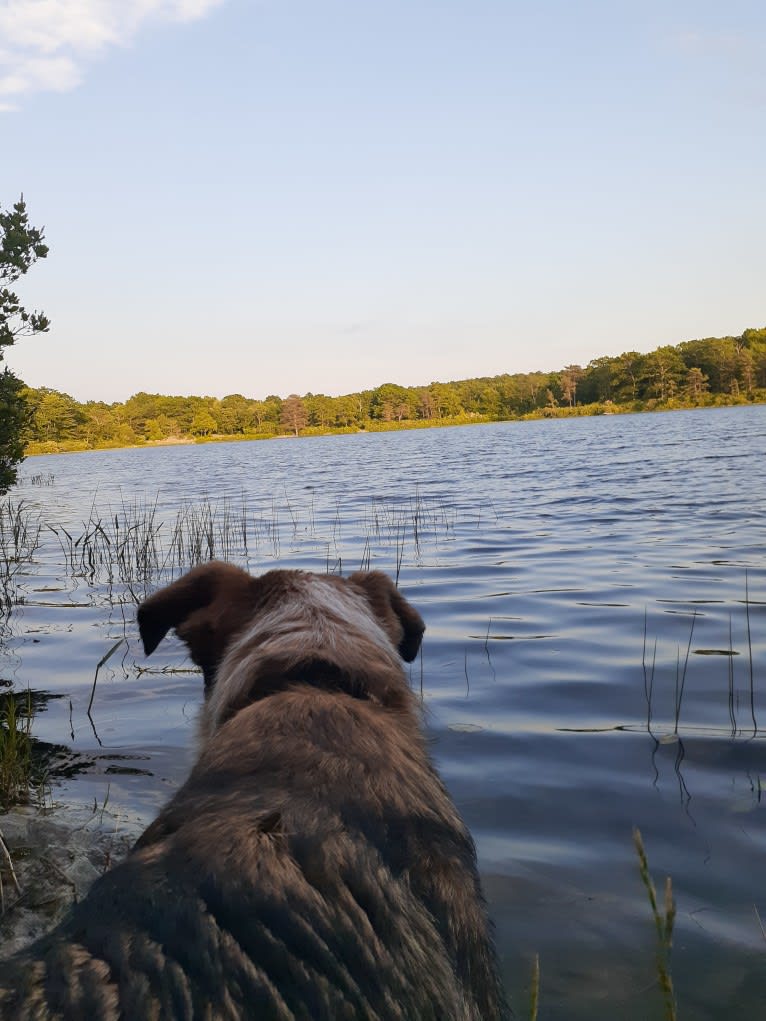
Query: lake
point(594, 591)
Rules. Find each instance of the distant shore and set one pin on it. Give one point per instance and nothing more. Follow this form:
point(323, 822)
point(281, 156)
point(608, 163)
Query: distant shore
point(37, 448)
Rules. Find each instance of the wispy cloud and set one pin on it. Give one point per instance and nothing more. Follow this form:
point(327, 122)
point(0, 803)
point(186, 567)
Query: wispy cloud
point(46, 45)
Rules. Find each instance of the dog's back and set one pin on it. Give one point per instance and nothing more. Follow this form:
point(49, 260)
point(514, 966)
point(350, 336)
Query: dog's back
point(312, 867)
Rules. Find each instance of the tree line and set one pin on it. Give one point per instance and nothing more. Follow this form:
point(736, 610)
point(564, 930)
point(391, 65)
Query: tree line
point(714, 370)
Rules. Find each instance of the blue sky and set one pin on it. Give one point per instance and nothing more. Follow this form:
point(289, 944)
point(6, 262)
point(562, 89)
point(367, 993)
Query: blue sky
point(276, 196)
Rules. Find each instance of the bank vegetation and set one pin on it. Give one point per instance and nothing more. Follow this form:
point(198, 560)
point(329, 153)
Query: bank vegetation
point(695, 373)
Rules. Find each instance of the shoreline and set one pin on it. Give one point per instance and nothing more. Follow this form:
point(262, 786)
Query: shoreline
point(411, 425)
point(57, 853)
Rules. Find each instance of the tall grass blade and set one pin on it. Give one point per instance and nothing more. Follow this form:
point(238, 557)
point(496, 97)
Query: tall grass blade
point(534, 995)
point(663, 924)
point(104, 659)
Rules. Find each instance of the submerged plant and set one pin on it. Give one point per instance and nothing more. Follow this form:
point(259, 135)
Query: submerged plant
point(534, 993)
point(663, 924)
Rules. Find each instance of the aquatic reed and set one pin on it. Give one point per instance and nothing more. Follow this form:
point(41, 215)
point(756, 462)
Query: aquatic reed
point(663, 923)
point(104, 659)
point(735, 697)
point(136, 544)
point(534, 993)
point(750, 654)
point(681, 681)
point(16, 715)
point(19, 541)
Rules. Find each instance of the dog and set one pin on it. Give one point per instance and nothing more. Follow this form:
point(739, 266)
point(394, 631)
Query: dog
point(313, 866)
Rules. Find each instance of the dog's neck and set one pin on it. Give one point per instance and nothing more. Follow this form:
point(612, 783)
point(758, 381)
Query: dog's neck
point(271, 678)
point(322, 638)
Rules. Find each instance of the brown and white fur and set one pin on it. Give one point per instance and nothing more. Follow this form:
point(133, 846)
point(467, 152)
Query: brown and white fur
point(313, 865)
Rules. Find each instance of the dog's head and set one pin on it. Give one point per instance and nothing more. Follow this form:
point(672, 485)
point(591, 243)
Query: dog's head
point(217, 605)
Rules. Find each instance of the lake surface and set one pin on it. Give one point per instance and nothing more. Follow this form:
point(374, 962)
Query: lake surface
point(595, 597)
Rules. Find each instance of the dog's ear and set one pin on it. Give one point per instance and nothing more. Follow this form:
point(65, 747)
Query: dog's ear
point(171, 605)
point(205, 606)
point(401, 621)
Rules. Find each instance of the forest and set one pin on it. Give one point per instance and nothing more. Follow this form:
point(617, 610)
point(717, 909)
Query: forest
point(694, 373)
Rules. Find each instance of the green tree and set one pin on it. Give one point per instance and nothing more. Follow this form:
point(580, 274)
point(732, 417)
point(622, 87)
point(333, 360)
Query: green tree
point(235, 413)
point(598, 380)
point(628, 375)
point(533, 388)
point(160, 428)
point(55, 416)
point(14, 416)
point(100, 422)
point(426, 406)
point(746, 369)
point(696, 384)
point(271, 413)
point(390, 401)
point(203, 423)
point(490, 402)
point(138, 409)
point(446, 400)
point(319, 409)
point(665, 369)
point(20, 247)
point(344, 410)
point(725, 352)
point(259, 412)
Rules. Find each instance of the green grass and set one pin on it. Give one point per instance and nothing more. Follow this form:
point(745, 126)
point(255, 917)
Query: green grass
point(16, 760)
point(663, 924)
